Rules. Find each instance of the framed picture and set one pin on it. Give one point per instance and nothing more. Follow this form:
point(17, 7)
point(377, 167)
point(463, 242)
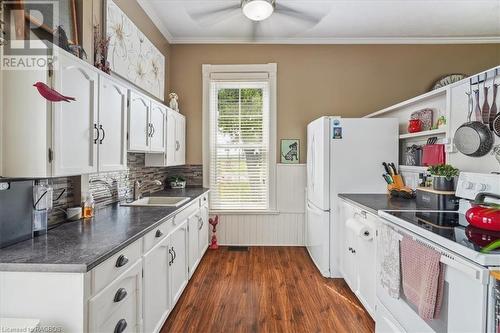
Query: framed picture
point(39, 17)
point(290, 151)
point(131, 54)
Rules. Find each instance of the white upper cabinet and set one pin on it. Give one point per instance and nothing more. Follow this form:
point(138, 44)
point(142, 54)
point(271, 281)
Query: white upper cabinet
point(139, 129)
point(75, 123)
point(170, 158)
point(180, 139)
point(112, 125)
point(175, 143)
point(158, 125)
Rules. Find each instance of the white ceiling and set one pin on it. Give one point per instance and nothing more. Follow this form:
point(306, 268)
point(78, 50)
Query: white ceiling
point(341, 21)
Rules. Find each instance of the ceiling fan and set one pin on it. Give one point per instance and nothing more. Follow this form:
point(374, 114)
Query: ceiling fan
point(254, 10)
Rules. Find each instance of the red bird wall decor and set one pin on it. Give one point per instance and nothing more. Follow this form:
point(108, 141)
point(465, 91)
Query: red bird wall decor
point(50, 94)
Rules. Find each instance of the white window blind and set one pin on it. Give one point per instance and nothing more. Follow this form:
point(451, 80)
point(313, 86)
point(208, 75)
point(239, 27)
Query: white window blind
point(239, 145)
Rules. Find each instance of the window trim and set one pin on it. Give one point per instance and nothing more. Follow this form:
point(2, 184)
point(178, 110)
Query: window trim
point(242, 72)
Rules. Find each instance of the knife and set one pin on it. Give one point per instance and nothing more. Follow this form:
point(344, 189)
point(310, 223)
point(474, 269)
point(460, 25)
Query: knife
point(386, 167)
point(393, 166)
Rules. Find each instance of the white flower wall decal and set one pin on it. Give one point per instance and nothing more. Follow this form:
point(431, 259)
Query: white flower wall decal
point(132, 55)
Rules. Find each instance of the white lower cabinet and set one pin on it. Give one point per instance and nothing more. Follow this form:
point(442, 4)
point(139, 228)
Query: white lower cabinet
point(193, 241)
point(203, 234)
point(156, 286)
point(179, 262)
point(358, 255)
point(386, 323)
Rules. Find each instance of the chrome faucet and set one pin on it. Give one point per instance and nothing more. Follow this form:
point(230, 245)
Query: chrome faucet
point(138, 185)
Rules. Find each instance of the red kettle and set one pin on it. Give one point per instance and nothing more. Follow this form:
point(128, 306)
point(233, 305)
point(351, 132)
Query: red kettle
point(484, 215)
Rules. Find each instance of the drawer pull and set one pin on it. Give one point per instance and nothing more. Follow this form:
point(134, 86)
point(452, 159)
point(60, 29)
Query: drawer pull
point(158, 233)
point(175, 254)
point(120, 326)
point(121, 261)
point(120, 295)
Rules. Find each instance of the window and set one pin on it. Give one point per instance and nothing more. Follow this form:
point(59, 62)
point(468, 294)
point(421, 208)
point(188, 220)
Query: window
point(239, 153)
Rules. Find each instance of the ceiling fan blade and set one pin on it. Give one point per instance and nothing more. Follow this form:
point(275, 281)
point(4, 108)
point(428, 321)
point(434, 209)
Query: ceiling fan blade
point(285, 10)
point(209, 16)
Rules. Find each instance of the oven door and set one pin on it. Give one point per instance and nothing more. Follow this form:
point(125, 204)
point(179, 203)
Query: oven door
point(465, 297)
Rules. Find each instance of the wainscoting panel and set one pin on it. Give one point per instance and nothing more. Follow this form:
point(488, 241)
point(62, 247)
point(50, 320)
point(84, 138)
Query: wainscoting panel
point(285, 228)
point(270, 230)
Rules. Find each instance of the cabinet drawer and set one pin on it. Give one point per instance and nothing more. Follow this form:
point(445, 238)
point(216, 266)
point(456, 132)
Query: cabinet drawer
point(155, 236)
point(183, 215)
point(106, 272)
point(125, 318)
point(117, 299)
point(204, 200)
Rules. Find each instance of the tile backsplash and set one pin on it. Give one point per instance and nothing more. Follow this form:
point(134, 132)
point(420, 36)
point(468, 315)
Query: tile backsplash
point(111, 187)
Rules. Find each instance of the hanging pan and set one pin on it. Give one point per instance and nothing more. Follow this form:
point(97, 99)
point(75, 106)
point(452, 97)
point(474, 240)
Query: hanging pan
point(494, 114)
point(473, 138)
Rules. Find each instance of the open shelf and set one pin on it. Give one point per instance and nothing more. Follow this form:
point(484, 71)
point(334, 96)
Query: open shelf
point(410, 168)
point(423, 133)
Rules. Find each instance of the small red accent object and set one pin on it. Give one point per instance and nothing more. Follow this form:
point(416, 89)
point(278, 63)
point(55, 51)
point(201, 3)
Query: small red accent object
point(50, 94)
point(213, 242)
point(414, 125)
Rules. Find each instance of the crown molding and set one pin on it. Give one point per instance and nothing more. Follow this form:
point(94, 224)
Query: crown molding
point(339, 40)
point(148, 9)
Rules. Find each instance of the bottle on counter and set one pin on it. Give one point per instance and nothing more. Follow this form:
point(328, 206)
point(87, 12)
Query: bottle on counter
point(88, 206)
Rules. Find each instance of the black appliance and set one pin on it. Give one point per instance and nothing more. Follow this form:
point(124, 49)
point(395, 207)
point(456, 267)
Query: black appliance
point(430, 199)
point(16, 208)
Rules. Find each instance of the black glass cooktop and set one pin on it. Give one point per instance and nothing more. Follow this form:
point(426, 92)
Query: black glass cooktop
point(453, 226)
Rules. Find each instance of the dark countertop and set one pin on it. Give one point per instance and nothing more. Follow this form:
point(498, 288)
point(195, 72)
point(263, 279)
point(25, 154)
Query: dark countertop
point(81, 245)
point(375, 202)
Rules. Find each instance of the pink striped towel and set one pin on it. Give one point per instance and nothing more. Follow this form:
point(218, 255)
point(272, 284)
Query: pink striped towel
point(423, 277)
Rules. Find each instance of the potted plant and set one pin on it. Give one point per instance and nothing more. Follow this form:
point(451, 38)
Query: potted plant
point(443, 177)
point(177, 182)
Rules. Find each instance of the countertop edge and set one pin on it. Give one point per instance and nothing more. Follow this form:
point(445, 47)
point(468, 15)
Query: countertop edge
point(356, 203)
point(85, 268)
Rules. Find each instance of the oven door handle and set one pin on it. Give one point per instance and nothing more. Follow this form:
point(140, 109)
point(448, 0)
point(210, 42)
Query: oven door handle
point(474, 273)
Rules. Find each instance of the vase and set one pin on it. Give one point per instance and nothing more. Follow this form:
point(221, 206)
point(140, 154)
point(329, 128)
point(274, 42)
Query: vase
point(440, 183)
point(414, 125)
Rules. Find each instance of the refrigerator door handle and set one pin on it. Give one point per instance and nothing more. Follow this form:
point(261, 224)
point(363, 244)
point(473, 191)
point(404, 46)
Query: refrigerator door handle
point(313, 157)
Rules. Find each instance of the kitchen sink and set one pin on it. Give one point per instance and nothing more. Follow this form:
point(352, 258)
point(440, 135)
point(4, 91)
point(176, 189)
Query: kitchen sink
point(158, 202)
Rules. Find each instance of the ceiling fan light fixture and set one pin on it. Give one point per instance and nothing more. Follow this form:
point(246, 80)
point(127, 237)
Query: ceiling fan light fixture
point(257, 10)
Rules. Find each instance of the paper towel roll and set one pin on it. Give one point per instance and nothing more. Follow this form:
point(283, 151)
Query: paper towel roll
point(360, 229)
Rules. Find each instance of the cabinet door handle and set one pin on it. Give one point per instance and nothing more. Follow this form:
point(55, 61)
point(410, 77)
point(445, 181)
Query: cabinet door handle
point(158, 233)
point(171, 257)
point(121, 261)
point(149, 129)
point(98, 134)
point(153, 130)
point(175, 254)
point(120, 295)
point(120, 326)
point(103, 134)
point(200, 222)
point(177, 145)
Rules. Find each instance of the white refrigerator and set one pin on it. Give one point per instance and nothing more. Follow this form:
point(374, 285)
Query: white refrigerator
point(343, 156)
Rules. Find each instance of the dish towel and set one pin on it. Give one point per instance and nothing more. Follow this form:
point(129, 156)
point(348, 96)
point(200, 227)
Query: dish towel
point(423, 280)
point(390, 273)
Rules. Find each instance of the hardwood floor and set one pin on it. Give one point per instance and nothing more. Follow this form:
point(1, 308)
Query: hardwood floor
point(267, 289)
